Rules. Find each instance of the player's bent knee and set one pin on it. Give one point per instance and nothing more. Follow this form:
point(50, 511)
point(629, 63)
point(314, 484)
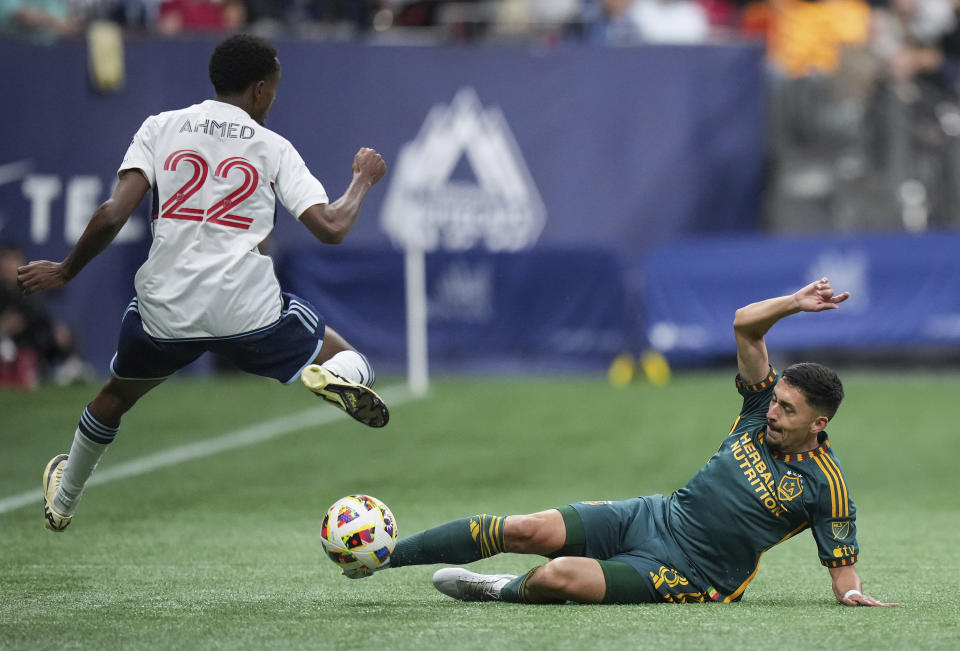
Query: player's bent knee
point(575, 579)
point(559, 573)
point(537, 533)
point(117, 398)
point(550, 579)
point(519, 531)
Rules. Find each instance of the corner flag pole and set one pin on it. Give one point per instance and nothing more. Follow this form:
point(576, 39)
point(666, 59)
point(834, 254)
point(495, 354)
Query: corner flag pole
point(415, 277)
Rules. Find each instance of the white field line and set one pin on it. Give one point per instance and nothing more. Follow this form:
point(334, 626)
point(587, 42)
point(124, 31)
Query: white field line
point(265, 431)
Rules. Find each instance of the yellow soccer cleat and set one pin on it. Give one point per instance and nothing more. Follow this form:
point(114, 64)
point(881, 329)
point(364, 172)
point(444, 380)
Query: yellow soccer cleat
point(359, 401)
point(52, 476)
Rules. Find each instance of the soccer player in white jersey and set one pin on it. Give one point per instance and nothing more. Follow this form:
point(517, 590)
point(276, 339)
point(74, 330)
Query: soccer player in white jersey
point(216, 173)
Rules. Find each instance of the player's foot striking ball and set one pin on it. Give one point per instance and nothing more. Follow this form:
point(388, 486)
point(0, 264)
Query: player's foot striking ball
point(359, 533)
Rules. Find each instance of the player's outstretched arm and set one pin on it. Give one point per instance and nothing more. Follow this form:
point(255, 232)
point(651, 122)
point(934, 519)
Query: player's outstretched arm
point(847, 588)
point(106, 222)
point(752, 322)
point(330, 223)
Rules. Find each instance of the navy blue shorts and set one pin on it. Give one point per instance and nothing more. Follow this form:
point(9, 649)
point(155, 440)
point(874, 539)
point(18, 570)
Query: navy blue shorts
point(280, 350)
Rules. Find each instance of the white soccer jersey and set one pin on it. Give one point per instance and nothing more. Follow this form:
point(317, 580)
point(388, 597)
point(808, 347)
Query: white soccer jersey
point(216, 176)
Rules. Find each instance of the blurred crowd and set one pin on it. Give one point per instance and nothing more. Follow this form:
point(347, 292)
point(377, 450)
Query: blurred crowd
point(865, 126)
point(803, 36)
point(614, 22)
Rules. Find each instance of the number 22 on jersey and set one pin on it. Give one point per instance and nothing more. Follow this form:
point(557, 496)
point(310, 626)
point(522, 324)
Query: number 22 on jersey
point(218, 213)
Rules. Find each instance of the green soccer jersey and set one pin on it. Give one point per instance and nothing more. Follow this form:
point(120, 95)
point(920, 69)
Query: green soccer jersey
point(748, 499)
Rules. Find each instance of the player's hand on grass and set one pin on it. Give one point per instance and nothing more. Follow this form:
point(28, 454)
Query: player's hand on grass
point(40, 276)
point(819, 296)
point(857, 599)
point(369, 164)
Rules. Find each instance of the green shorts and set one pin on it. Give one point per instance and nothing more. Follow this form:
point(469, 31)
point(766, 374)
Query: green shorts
point(639, 561)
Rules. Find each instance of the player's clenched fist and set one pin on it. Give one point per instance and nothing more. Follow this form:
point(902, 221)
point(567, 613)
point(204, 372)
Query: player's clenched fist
point(368, 163)
point(40, 275)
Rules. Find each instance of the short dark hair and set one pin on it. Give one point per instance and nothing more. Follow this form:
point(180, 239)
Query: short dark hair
point(241, 60)
point(818, 384)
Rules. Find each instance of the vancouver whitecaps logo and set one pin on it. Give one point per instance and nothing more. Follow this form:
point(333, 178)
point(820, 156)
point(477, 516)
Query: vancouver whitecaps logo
point(426, 209)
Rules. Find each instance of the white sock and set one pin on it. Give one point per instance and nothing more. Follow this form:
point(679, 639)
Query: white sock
point(85, 454)
point(351, 365)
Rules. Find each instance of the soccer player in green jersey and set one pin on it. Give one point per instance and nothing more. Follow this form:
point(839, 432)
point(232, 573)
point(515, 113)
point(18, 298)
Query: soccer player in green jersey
point(773, 476)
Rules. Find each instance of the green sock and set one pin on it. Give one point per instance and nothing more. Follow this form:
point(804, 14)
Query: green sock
point(514, 591)
point(461, 541)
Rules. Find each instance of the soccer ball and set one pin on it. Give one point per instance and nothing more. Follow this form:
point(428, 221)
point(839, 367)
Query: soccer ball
point(358, 531)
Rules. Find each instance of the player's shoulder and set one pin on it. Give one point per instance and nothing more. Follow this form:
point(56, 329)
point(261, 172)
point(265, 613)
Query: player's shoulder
point(276, 140)
point(829, 486)
point(173, 114)
point(819, 466)
point(756, 394)
point(161, 119)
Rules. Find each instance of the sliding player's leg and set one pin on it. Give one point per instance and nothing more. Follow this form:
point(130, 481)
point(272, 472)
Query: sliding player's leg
point(342, 376)
point(584, 569)
point(563, 579)
point(477, 537)
point(66, 474)
point(481, 536)
point(580, 580)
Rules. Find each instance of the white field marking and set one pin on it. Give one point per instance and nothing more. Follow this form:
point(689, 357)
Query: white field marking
point(265, 431)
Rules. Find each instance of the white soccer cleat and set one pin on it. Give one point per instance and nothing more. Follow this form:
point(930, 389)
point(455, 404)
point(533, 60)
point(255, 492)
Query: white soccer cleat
point(465, 585)
point(52, 476)
point(358, 400)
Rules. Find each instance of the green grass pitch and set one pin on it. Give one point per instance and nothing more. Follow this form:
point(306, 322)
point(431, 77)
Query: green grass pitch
point(222, 552)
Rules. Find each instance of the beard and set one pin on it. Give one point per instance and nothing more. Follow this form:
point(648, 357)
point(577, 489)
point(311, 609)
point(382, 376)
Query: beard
point(774, 442)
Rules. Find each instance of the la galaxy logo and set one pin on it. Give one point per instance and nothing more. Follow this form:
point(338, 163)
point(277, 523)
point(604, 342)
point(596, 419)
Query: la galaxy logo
point(789, 488)
point(430, 206)
point(840, 529)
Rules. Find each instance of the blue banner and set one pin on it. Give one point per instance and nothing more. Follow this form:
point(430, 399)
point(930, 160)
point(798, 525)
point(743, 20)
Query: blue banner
point(905, 292)
point(499, 150)
point(499, 311)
